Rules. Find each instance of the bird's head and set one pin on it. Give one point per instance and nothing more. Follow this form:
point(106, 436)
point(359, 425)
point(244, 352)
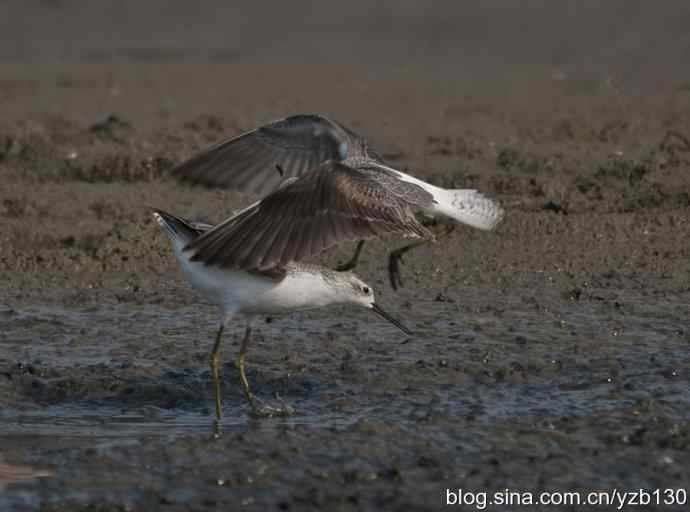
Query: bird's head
point(360, 293)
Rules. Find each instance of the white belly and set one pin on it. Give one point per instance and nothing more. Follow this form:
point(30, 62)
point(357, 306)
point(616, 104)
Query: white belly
point(248, 293)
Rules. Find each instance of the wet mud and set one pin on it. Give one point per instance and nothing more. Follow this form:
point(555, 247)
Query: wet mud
point(552, 354)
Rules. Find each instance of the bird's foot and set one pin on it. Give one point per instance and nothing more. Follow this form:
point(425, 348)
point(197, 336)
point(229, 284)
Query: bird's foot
point(350, 264)
point(216, 433)
point(262, 410)
point(353, 261)
point(394, 261)
point(346, 266)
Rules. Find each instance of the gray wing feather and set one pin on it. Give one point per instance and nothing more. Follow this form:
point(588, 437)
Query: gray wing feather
point(330, 204)
point(248, 163)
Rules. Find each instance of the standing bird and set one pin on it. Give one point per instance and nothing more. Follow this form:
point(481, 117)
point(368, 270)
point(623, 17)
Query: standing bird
point(215, 261)
point(260, 160)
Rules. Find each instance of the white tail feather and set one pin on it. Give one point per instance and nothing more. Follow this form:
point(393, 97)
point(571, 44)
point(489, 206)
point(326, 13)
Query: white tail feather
point(469, 207)
point(464, 205)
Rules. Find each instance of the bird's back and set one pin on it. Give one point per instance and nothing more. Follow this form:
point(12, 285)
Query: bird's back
point(281, 289)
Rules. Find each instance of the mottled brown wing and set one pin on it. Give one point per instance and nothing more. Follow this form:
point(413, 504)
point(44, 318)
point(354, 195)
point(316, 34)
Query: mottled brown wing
point(257, 161)
point(331, 204)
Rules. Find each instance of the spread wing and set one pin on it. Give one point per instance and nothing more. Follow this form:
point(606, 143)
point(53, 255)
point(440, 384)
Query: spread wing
point(259, 160)
point(331, 204)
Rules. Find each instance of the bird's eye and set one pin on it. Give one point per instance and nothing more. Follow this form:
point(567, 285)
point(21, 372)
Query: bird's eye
point(365, 289)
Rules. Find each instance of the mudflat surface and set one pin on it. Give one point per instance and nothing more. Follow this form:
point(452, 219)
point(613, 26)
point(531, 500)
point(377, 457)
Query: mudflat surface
point(550, 355)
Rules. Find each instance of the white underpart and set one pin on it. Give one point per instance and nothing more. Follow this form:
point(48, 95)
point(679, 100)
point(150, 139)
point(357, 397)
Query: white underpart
point(247, 293)
point(464, 205)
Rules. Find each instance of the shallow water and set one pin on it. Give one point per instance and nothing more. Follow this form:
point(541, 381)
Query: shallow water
point(112, 377)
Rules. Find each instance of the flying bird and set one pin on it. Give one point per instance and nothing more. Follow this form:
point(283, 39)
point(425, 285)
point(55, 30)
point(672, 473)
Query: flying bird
point(321, 156)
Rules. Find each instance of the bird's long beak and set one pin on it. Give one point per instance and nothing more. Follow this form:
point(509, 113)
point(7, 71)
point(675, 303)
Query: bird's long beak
point(377, 309)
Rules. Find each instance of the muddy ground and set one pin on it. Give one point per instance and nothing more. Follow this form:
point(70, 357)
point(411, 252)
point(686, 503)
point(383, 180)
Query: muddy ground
point(550, 355)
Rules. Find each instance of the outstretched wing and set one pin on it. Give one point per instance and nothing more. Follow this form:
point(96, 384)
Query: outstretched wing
point(331, 204)
point(259, 160)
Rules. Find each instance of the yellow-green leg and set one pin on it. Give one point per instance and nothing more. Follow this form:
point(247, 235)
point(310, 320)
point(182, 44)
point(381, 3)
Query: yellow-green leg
point(214, 361)
point(244, 346)
point(258, 408)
